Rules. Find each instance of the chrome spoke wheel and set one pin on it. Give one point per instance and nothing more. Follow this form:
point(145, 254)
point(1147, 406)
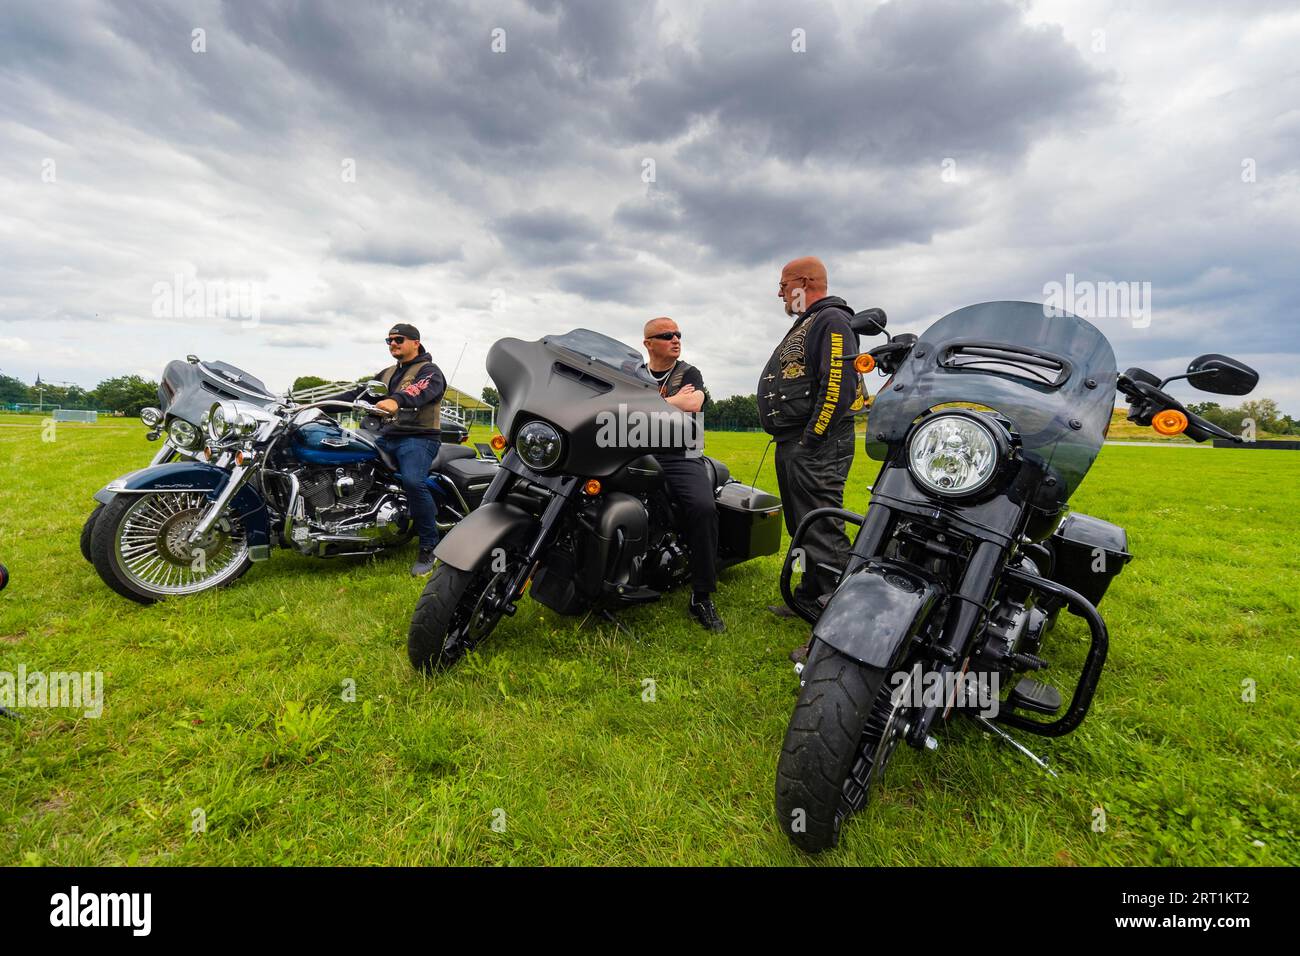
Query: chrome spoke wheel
point(153, 551)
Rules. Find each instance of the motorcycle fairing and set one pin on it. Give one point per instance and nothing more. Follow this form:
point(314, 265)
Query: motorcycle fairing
point(1055, 381)
point(876, 611)
point(247, 505)
point(583, 383)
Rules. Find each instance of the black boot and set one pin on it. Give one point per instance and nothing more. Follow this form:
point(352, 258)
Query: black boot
point(423, 564)
point(703, 610)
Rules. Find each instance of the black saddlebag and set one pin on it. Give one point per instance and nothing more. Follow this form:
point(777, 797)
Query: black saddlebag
point(1088, 553)
point(472, 477)
point(749, 523)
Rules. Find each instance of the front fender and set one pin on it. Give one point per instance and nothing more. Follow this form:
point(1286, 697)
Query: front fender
point(877, 610)
point(473, 538)
point(247, 505)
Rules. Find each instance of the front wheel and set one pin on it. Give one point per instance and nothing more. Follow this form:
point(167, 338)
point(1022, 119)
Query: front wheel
point(140, 546)
point(456, 610)
point(87, 529)
point(840, 737)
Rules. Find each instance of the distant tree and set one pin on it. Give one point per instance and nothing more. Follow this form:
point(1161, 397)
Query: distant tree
point(737, 413)
point(1267, 416)
point(1202, 408)
point(308, 381)
point(126, 394)
point(12, 390)
point(491, 397)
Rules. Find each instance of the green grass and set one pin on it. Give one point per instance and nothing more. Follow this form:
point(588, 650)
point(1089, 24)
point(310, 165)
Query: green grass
point(231, 703)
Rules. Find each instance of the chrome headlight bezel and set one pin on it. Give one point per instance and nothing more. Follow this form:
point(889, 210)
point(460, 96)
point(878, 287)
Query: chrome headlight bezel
point(537, 433)
point(151, 417)
point(995, 451)
point(183, 434)
point(221, 420)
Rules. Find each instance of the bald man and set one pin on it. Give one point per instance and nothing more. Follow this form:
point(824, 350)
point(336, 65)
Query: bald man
point(806, 397)
point(682, 386)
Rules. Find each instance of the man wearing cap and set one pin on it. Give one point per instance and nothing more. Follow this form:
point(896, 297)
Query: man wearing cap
point(412, 430)
point(806, 397)
point(682, 386)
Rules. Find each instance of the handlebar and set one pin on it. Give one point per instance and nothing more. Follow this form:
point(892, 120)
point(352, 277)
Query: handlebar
point(1146, 399)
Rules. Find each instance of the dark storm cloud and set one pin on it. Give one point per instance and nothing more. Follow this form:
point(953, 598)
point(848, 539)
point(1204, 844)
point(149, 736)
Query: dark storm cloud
point(624, 283)
point(547, 236)
point(406, 252)
point(912, 82)
point(513, 180)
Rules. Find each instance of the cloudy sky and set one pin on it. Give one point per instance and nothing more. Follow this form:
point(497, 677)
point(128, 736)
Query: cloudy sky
point(492, 168)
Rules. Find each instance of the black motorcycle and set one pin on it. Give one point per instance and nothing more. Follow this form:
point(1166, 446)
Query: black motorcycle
point(579, 506)
point(966, 555)
point(242, 471)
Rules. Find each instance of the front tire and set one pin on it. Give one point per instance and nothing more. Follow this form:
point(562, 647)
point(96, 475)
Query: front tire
point(455, 612)
point(87, 529)
point(840, 737)
point(139, 546)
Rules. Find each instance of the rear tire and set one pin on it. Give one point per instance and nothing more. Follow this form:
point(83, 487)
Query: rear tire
point(821, 745)
point(86, 531)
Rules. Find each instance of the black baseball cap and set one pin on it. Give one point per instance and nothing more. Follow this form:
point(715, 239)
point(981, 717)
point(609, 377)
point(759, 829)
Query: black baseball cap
point(406, 329)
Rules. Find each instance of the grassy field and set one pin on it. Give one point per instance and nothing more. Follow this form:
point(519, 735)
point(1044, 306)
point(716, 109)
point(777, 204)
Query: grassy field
point(228, 708)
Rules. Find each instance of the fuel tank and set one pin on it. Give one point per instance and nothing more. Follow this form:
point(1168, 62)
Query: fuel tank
point(325, 443)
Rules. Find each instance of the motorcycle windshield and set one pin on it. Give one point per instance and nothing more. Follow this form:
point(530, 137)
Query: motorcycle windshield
point(188, 389)
point(595, 390)
point(1051, 373)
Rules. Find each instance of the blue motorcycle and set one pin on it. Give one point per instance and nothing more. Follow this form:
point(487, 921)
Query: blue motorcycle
point(258, 472)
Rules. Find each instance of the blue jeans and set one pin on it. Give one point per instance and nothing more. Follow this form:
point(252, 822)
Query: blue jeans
point(414, 454)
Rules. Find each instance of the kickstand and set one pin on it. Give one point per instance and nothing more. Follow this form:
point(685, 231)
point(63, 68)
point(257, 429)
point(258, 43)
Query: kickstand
point(990, 726)
point(606, 615)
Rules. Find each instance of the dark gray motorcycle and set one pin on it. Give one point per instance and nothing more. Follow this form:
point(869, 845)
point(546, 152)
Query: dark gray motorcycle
point(986, 426)
point(578, 507)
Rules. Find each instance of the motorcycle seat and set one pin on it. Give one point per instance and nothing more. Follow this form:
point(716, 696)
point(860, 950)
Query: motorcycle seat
point(719, 474)
point(449, 453)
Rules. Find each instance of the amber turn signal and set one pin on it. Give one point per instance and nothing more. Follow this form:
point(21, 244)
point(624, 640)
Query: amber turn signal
point(498, 442)
point(1169, 422)
point(592, 487)
point(864, 363)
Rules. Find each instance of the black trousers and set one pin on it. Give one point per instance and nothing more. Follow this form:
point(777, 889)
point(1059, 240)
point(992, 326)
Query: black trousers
point(810, 478)
point(689, 486)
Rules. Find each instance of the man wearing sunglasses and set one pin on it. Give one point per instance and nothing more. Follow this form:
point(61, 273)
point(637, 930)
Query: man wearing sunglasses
point(806, 399)
point(682, 386)
point(412, 430)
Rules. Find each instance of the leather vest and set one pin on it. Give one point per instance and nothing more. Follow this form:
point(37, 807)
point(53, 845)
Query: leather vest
point(785, 390)
point(425, 418)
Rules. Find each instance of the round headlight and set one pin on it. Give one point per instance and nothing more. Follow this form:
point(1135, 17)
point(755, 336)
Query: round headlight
point(151, 416)
point(182, 433)
point(245, 424)
point(221, 419)
point(538, 444)
point(952, 455)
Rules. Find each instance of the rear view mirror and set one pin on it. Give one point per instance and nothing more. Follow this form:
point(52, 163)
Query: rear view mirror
point(376, 388)
point(868, 322)
point(1221, 375)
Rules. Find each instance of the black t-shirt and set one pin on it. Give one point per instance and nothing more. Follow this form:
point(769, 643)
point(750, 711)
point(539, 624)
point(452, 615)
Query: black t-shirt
point(692, 376)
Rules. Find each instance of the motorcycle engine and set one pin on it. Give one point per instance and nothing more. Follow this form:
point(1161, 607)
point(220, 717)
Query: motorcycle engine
point(335, 489)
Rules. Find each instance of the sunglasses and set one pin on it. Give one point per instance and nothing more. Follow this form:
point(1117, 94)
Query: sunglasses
point(667, 336)
point(395, 340)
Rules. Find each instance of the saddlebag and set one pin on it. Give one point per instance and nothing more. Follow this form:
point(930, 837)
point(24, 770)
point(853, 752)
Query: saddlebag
point(471, 476)
point(749, 523)
point(1088, 553)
